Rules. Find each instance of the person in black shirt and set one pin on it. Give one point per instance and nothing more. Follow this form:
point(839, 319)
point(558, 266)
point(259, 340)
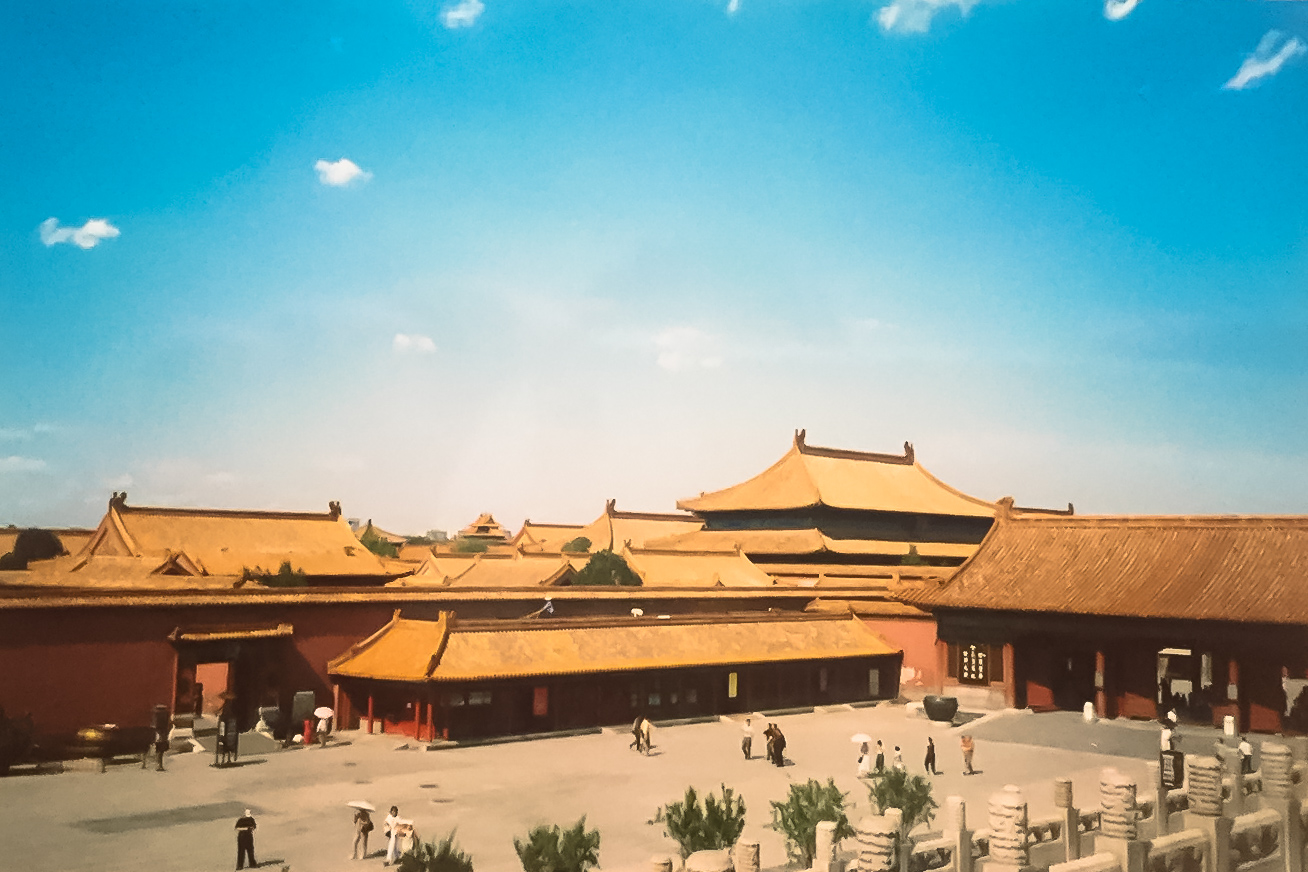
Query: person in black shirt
point(245, 840)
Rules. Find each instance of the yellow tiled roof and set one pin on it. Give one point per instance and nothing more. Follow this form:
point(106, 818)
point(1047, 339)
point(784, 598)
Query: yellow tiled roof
point(223, 542)
point(805, 541)
point(547, 537)
point(114, 573)
point(445, 651)
point(659, 568)
point(811, 476)
point(485, 527)
point(489, 570)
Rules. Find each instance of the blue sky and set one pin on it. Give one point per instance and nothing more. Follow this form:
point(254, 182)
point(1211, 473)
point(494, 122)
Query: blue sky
point(591, 250)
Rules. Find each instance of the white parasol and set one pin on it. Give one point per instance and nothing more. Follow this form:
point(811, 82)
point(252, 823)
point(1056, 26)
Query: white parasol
point(361, 804)
point(323, 711)
point(860, 738)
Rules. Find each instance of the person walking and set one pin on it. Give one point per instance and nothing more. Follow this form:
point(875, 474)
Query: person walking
point(864, 760)
point(638, 740)
point(779, 746)
point(930, 762)
point(881, 757)
point(969, 748)
point(245, 840)
point(747, 739)
point(323, 730)
point(897, 761)
point(1246, 756)
point(392, 833)
point(362, 827)
point(647, 734)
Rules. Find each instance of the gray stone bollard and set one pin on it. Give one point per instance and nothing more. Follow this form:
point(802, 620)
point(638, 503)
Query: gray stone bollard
point(824, 858)
point(1063, 793)
point(1117, 816)
point(660, 864)
point(1066, 804)
point(1008, 827)
point(955, 814)
point(1205, 776)
point(709, 861)
point(747, 856)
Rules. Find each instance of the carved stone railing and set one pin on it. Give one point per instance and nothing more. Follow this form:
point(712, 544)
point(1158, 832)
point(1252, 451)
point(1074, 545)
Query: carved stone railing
point(931, 854)
point(1181, 852)
point(1254, 837)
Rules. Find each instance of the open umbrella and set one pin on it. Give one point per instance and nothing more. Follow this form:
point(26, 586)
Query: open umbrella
point(860, 738)
point(361, 804)
point(323, 711)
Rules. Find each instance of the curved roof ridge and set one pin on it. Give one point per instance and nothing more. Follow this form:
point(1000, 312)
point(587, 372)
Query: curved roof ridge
point(905, 459)
point(953, 490)
point(786, 459)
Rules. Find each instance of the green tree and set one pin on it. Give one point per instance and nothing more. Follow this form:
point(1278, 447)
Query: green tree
point(549, 849)
point(468, 546)
point(438, 856)
point(606, 568)
point(32, 545)
point(912, 558)
point(911, 794)
point(715, 824)
point(377, 545)
point(285, 576)
point(797, 818)
point(580, 545)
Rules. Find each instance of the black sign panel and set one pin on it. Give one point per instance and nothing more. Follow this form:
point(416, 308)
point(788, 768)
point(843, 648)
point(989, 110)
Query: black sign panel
point(1172, 766)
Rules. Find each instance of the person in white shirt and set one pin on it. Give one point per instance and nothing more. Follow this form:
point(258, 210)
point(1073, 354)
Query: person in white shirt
point(747, 739)
point(391, 831)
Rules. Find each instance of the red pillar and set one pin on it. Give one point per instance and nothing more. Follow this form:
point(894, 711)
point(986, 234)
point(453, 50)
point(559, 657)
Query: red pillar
point(1010, 676)
point(417, 718)
point(431, 723)
point(1101, 675)
point(336, 706)
point(942, 665)
point(370, 712)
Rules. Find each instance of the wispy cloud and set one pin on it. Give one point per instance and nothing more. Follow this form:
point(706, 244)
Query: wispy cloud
point(413, 343)
point(733, 6)
point(684, 348)
point(339, 173)
point(86, 236)
point(14, 463)
point(462, 14)
point(1273, 52)
point(914, 16)
point(1116, 10)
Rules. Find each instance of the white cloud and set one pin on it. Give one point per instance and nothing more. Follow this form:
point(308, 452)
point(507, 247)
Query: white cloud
point(14, 463)
point(733, 6)
point(413, 343)
point(86, 236)
point(462, 14)
point(1266, 59)
point(13, 434)
point(1116, 10)
point(684, 348)
point(340, 173)
point(914, 16)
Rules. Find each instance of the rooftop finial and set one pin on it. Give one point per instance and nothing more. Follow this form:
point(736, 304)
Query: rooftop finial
point(1005, 507)
point(333, 509)
point(610, 506)
point(799, 438)
point(118, 500)
point(908, 451)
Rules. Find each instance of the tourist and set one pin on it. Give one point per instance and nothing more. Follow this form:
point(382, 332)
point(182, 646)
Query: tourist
point(323, 731)
point(245, 840)
point(1246, 756)
point(638, 742)
point(362, 827)
point(897, 761)
point(647, 734)
point(771, 735)
point(864, 760)
point(747, 739)
point(391, 832)
point(969, 748)
point(881, 757)
point(779, 746)
point(930, 762)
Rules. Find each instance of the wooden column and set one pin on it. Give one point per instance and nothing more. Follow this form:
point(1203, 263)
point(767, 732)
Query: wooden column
point(369, 712)
point(942, 665)
point(1010, 676)
point(1233, 693)
point(417, 718)
point(1101, 677)
point(431, 723)
point(336, 706)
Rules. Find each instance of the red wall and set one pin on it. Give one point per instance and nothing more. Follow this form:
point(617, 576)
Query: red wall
point(917, 638)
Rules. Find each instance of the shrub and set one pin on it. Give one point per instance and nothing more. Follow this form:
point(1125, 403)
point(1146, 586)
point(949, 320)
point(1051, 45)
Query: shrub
point(285, 576)
point(32, 545)
point(912, 558)
point(468, 546)
point(439, 856)
point(911, 794)
point(797, 818)
point(580, 545)
point(549, 849)
point(606, 568)
point(695, 827)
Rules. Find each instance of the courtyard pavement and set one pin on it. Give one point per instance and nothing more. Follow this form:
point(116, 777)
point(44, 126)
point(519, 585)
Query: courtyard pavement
point(183, 819)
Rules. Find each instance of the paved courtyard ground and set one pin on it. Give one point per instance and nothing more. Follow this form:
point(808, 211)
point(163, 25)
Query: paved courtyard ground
point(182, 819)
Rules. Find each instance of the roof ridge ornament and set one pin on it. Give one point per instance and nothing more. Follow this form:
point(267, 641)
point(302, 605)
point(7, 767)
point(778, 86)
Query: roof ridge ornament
point(799, 438)
point(118, 501)
point(1004, 508)
point(333, 509)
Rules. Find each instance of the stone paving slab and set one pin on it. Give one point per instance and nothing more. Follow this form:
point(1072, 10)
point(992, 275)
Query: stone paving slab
point(171, 820)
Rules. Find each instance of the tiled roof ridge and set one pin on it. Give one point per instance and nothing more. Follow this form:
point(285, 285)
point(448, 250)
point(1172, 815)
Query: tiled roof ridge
point(953, 490)
point(1055, 518)
point(610, 509)
point(678, 552)
point(905, 459)
point(500, 625)
point(226, 513)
